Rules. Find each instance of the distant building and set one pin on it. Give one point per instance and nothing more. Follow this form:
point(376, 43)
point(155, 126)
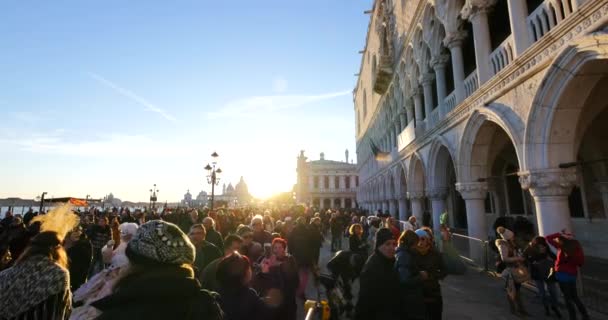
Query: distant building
point(326, 183)
point(200, 201)
point(235, 196)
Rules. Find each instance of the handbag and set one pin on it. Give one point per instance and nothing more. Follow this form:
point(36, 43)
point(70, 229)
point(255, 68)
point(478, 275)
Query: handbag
point(520, 273)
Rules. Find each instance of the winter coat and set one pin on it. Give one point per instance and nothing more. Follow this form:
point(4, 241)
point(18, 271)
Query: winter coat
point(411, 284)
point(215, 238)
point(262, 237)
point(304, 243)
point(244, 304)
point(283, 277)
point(379, 290)
point(565, 263)
point(167, 295)
point(540, 262)
point(205, 253)
point(80, 256)
point(432, 263)
point(357, 245)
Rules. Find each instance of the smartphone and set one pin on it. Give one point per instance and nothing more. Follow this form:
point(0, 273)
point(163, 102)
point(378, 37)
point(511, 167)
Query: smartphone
point(267, 250)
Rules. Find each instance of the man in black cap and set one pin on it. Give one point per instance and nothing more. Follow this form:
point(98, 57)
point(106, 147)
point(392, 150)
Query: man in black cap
point(379, 284)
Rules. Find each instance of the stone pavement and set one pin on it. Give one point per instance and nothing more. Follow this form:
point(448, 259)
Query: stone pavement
point(473, 296)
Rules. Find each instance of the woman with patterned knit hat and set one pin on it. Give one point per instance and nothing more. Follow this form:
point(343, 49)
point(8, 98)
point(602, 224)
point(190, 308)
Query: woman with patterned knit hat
point(159, 282)
point(37, 286)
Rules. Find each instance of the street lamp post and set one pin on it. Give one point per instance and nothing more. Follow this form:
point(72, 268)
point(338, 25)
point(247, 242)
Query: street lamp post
point(41, 202)
point(213, 175)
point(153, 197)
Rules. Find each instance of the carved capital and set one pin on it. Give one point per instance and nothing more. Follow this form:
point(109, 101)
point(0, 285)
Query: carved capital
point(474, 7)
point(455, 39)
point(437, 193)
point(472, 190)
point(548, 183)
point(415, 195)
point(426, 78)
point(439, 62)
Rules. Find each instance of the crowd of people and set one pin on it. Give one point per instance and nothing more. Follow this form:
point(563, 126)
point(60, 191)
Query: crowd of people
point(250, 263)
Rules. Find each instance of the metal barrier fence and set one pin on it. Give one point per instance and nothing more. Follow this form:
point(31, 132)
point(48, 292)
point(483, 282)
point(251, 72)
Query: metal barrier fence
point(592, 284)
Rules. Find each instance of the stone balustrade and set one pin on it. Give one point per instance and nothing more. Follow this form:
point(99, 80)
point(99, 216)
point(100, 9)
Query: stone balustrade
point(470, 84)
point(502, 56)
point(547, 16)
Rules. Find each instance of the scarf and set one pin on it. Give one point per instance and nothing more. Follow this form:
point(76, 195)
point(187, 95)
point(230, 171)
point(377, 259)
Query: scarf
point(32, 282)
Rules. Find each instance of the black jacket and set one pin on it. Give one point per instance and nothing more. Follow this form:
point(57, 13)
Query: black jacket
point(379, 290)
point(215, 238)
point(432, 263)
point(244, 304)
point(160, 296)
point(357, 245)
point(80, 256)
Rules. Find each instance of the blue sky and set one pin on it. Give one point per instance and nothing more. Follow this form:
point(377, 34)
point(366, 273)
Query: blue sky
point(114, 96)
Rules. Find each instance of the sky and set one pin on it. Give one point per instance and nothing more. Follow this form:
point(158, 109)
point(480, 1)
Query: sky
point(115, 96)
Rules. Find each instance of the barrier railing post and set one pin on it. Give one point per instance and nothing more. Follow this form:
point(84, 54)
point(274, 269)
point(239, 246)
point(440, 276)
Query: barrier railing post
point(485, 256)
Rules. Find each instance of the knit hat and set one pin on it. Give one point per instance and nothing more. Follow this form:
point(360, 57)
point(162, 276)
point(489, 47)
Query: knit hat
point(160, 242)
point(421, 233)
point(243, 229)
point(505, 233)
point(383, 235)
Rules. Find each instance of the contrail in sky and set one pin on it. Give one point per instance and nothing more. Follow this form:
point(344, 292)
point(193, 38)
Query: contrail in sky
point(133, 96)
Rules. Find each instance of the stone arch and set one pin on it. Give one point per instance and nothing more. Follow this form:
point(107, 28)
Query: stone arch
point(474, 144)
point(441, 153)
point(556, 122)
point(416, 174)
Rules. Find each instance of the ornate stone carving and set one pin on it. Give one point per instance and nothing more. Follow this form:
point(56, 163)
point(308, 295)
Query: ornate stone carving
point(548, 183)
point(439, 61)
point(473, 7)
point(437, 193)
point(472, 190)
point(415, 195)
point(448, 12)
point(455, 39)
point(426, 78)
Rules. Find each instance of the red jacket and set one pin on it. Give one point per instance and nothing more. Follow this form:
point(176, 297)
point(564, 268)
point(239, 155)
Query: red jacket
point(565, 263)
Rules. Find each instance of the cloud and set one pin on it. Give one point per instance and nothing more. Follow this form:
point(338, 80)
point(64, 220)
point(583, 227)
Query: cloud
point(253, 106)
point(56, 142)
point(279, 84)
point(132, 96)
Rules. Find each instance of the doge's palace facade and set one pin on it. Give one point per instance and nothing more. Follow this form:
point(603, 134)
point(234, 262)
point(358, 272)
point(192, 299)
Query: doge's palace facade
point(484, 109)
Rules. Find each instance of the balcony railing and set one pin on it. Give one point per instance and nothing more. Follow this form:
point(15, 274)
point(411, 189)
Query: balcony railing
point(547, 16)
point(502, 56)
point(449, 102)
point(470, 84)
point(433, 118)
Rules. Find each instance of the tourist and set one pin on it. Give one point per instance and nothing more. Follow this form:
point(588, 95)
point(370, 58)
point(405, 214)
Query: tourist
point(249, 248)
point(238, 300)
point(393, 225)
point(514, 266)
point(541, 260)
point(205, 250)
point(260, 235)
point(80, 255)
point(280, 272)
point(336, 226)
point(570, 259)
point(411, 224)
point(208, 277)
point(37, 286)
point(160, 256)
point(99, 234)
point(410, 277)
point(345, 268)
point(268, 222)
point(212, 235)
point(355, 241)
point(428, 261)
point(379, 282)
